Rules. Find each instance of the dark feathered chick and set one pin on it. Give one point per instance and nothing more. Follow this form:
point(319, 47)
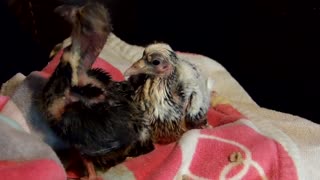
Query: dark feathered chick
point(171, 91)
point(83, 105)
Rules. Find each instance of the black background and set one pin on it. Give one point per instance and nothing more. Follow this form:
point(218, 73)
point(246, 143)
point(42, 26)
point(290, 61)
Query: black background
point(271, 47)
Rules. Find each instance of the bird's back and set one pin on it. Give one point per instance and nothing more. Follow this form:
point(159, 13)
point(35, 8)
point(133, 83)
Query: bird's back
point(101, 131)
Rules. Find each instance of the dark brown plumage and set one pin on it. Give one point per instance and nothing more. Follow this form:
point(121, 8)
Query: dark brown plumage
point(83, 105)
point(171, 91)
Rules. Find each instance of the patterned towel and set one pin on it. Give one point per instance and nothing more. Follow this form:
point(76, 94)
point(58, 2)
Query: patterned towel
point(244, 142)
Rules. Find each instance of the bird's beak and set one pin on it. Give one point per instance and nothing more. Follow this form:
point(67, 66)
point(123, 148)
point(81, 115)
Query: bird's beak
point(136, 68)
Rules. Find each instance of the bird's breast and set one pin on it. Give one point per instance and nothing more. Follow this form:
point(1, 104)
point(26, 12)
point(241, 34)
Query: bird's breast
point(158, 101)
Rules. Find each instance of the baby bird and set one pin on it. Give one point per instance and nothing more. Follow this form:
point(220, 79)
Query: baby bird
point(83, 106)
point(171, 91)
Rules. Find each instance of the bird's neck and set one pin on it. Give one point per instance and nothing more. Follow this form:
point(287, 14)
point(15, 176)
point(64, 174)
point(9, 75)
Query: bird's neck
point(91, 48)
point(169, 81)
point(88, 49)
point(83, 53)
point(158, 98)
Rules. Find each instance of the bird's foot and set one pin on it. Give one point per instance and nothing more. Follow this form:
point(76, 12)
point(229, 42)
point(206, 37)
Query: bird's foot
point(207, 125)
point(92, 175)
point(91, 178)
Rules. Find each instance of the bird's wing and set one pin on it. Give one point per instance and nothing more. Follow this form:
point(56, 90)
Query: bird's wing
point(100, 75)
point(197, 94)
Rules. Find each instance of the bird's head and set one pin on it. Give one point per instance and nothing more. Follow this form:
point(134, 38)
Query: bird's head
point(158, 60)
point(90, 22)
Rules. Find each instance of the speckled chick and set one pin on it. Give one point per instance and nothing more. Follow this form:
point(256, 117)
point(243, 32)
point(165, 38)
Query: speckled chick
point(171, 91)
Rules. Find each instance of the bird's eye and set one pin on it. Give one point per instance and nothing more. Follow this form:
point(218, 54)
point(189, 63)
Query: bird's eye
point(156, 62)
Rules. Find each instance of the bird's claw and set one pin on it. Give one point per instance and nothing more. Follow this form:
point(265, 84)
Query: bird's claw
point(91, 178)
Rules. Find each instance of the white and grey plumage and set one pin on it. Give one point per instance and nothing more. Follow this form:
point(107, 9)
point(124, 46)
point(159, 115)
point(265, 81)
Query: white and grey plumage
point(172, 92)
